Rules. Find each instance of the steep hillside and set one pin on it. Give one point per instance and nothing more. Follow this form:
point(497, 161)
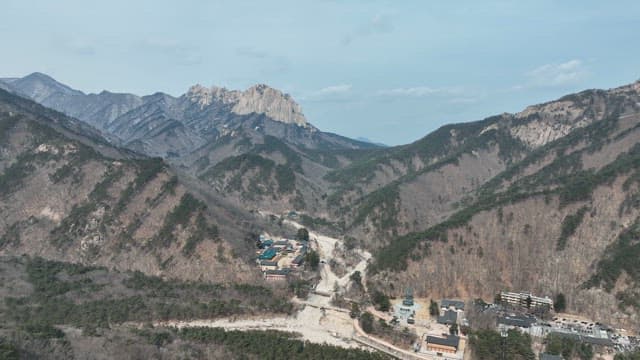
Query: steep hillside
point(210, 129)
point(72, 197)
point(413, 187)
point(562, 220)
point(56, 310)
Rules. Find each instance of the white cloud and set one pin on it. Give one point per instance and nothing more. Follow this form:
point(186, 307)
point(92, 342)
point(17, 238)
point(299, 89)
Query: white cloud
point(335, 89)
point(332, 93)
point(567, 73)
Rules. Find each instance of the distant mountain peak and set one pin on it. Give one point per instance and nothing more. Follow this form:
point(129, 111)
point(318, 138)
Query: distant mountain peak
point(39, 86)
point(39, 75)
point(259, 98)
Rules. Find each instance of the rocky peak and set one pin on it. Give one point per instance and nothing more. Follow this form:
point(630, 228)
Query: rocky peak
point(260, 99)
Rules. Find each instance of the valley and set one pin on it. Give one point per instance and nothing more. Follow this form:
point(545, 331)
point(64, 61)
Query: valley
point(188, 189)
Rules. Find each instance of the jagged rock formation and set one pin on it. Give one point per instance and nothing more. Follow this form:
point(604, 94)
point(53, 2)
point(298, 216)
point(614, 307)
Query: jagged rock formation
point(201, 129)
point(259, 99)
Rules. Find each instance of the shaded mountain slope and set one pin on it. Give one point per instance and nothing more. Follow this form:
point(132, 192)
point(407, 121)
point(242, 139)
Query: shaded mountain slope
point(76, 198)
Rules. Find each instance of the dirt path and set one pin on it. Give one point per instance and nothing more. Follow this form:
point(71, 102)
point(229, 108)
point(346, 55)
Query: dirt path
point(325, 246)
point(312, 323)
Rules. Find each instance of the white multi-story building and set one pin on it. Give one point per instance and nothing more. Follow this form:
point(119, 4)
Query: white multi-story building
point(526, 300)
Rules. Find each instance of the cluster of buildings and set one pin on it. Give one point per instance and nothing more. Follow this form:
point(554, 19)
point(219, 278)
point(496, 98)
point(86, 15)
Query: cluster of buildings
point(450, 312)
point(277, 258)
point(438, 341)
point(581, 330)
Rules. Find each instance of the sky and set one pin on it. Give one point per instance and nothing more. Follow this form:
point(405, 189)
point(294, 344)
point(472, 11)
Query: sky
point(389, 71)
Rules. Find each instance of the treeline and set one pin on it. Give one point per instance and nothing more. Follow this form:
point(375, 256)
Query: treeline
point(490, 345)
point(92, 298)
point(568, 347)
point(272, 345)
point(635, 355)
point(618, 258)
point(402, 337)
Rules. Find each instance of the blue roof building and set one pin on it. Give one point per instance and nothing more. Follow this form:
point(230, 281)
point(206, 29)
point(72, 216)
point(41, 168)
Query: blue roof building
point(268, 254)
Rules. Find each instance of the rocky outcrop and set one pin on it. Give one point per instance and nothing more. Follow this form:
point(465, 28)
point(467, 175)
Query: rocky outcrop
point(259, 99)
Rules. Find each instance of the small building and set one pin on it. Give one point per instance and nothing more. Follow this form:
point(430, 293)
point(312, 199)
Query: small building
point(276, 275)
point(448, 344)
point(267, 243)
point(298, 261)
point(447, 304)
point(268, 265)
point(268, 254)
point(449, 317)
point(519, 321)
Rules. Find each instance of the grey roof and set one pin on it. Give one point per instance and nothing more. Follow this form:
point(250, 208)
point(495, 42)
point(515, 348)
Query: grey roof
point(281, 243)
point(298, 260)
point(545, 356)
point(452, 303)
point(517, 320)
point(268, 263)
point(450, 340)
point(450, 317)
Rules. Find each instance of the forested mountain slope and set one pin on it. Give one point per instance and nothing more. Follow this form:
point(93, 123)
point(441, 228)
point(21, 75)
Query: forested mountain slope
point(564, 219)
point(68, 194)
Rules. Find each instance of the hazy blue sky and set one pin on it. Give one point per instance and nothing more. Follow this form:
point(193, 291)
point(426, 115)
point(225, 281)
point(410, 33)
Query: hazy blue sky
point(390, 71)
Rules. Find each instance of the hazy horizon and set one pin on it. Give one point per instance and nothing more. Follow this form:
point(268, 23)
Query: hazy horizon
point(390, 72)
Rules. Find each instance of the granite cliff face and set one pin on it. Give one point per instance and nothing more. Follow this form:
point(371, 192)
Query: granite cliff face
point(259, 99)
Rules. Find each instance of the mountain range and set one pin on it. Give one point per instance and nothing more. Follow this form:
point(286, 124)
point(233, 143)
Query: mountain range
point(543, 200)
